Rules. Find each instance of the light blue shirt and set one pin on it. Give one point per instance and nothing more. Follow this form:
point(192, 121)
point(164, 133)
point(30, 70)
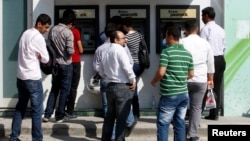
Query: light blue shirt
point(215, 35)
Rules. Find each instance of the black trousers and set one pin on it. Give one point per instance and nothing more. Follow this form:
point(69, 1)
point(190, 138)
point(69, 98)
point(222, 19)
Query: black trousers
point(220, 66)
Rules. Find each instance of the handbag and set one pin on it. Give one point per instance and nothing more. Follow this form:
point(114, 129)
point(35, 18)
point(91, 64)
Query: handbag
point(210, 102)
point(143, 53)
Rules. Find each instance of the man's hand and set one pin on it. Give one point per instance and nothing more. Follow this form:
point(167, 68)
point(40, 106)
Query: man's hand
point(132, 86)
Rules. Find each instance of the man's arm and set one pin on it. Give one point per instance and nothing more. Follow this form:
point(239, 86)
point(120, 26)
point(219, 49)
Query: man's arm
point(159, 75)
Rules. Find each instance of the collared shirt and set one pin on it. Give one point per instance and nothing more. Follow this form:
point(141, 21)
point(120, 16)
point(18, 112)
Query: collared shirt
point(203, 58)
point(63, 38)
point(215, 35)
point(31, 45)
point(116, 67)
point(101, 51)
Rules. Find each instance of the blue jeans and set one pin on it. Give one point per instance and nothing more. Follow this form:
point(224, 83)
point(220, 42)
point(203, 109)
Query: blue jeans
point(61, 83)
point(76, 74)
point(28, 90)
point(172, 109)
point(138, 70)
point(119, 98)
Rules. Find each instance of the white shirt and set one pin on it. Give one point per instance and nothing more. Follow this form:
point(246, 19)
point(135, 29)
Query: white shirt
point(101, 51)
point(116, 67)
point(215, 35)
point(31, 44)
point(203, 57)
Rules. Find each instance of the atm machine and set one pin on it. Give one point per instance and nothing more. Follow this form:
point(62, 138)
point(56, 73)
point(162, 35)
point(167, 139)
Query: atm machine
point(88, 23)
point(173, 14)
point(139, 13)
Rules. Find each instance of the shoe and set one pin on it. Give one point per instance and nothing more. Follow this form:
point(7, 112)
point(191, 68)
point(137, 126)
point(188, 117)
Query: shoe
point(194, 139)
point(70, 116)
point(212, 117)
point(130, 128)
point(45, 119)
point(17, 139)
point(59, 120)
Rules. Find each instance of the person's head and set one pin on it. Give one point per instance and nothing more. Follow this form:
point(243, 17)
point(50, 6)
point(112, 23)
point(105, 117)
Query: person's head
point(43, 23)
point(69, 20)
point(208, 14)
point(127, 24)
point(173, 35)
point(118, 37)
point(110, 27)
point(117, 20)
point(191, 27)
point(69, 13)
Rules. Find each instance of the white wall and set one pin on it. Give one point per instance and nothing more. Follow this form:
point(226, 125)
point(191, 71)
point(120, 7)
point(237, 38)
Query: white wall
point(84, 98)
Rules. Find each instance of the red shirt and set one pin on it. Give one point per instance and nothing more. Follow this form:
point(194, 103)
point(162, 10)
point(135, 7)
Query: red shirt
point(76, 57)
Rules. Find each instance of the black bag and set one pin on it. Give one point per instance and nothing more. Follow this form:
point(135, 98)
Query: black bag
point(51, 66)
point(143, 53)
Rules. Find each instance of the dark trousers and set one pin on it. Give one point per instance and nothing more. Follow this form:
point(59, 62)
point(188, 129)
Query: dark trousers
point(76, 74)
point(220, 66)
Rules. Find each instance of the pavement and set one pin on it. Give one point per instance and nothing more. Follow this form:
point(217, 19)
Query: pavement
point(89, 128)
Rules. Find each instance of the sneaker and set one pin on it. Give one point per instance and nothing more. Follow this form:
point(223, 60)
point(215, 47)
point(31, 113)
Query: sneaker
point(45, 119)
point(59, 120)
point(68, 115)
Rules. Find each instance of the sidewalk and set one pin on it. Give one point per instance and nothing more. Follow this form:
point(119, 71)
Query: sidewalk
point(90, 128)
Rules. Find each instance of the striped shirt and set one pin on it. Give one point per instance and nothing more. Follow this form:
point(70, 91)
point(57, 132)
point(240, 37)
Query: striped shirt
point(178, 62)
point(133, 42)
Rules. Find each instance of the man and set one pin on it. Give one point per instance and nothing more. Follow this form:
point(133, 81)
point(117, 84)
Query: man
point(32, 49)
point(215, 35)
point(76, 67)
point(203, 61)
point(62, 37)
point(176, 66)
point(116, 68)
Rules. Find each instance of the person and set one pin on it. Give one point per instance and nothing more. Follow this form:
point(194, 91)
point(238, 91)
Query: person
point(203, 61)
point(76, 67)
point(176, 66)
point(62, 37)
point(133, 43)
point(215, 35)
point(116, 68)
point(32, 50)
point(99, 54)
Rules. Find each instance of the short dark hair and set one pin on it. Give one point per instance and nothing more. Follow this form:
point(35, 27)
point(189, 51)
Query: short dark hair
point(113, 35)
point(191, 25)
point(116, 20)
point(110, 27)
point(69, 16)
point(69, 19)
point(175, 32)
point(43, 19)
point(209, 11)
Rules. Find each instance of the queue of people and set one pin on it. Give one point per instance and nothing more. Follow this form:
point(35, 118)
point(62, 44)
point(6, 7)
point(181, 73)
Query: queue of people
point(186, 67)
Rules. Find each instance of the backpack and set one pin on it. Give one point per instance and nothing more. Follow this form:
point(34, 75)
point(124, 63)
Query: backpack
point(51, 66)
point(143, 53)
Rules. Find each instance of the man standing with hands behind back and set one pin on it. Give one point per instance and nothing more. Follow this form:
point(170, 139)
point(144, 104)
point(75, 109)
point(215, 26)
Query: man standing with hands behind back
point(215, 35)
point(116, 68)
